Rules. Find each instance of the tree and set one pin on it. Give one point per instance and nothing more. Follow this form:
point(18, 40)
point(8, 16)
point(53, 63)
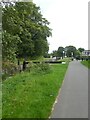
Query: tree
point(60, 51)
point(36, 26)
point(81, 49)
point(25, 21)
point(54, 53)
point(71, 51)
point(78, 54)
point(9, 46)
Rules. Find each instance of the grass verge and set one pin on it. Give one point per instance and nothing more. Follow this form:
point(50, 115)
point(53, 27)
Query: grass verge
point(29, 95)
point(67, 59)
point(86, 63)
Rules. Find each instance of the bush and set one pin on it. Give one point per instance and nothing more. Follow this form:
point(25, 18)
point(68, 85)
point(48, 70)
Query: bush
point(40, 68)
point(44, 67)
point(29, 66)
point(85, 57)
point(8, 69)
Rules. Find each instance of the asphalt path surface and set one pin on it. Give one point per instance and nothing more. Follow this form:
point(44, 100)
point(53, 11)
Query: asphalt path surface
point(72, 101)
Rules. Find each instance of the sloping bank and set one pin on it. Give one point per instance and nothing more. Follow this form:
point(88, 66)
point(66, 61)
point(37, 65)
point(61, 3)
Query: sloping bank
point(32, 94)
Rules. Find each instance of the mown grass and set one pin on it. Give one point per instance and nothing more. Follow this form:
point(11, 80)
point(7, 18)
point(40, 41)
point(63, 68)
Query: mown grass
point(67, 59)
point(86, 63)
point(29, 95)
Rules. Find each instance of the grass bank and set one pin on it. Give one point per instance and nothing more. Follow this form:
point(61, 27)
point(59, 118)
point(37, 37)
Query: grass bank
point(29, 95)
point(86, 63)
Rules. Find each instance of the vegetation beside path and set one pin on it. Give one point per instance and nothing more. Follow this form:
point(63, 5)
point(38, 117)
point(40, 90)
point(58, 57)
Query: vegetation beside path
point(86, 63)
point(32, 94)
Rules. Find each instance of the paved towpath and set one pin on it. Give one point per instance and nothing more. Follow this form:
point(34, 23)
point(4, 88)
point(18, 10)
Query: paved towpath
point(73, 97)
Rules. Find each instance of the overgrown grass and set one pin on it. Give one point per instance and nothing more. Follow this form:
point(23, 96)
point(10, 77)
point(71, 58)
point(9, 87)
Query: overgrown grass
point(29, 95)
point(86, 63)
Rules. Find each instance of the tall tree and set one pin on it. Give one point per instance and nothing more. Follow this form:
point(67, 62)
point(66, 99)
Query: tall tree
point(24, 20)
point(9, 46)
point(81, 49)
point(60, 51)
point(71, 51)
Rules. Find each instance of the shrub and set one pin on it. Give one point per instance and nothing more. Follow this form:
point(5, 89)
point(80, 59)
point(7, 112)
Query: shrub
point(44, 67)
point(8, 69)
point(29, 66)
point(40, 68)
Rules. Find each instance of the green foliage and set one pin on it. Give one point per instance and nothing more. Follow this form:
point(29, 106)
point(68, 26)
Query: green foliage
point(47, 55)
point(25, 29)
point(86, 63)
point(41, 67)
point(70, 50)
point(41, 47)
point(60, 52)
point(9, 69)
point(9, 46)
point(81, 49)
point(78, 53)
point(54, 53)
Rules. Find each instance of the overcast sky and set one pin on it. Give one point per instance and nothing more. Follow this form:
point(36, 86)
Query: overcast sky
point(69, 21)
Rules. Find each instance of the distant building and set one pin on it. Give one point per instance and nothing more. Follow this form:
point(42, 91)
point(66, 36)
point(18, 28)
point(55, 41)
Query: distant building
point(86, 53)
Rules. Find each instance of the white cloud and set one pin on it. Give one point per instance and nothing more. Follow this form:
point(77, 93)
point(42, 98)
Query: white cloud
point(69, 21)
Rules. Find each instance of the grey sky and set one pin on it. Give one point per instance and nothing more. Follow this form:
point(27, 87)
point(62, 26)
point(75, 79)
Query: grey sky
point(69, 21)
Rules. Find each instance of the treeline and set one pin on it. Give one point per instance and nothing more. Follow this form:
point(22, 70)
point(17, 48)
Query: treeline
point(25, 31)
point(69, 51)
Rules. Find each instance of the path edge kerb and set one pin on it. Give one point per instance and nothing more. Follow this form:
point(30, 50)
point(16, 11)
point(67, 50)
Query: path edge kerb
point(59, 92)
